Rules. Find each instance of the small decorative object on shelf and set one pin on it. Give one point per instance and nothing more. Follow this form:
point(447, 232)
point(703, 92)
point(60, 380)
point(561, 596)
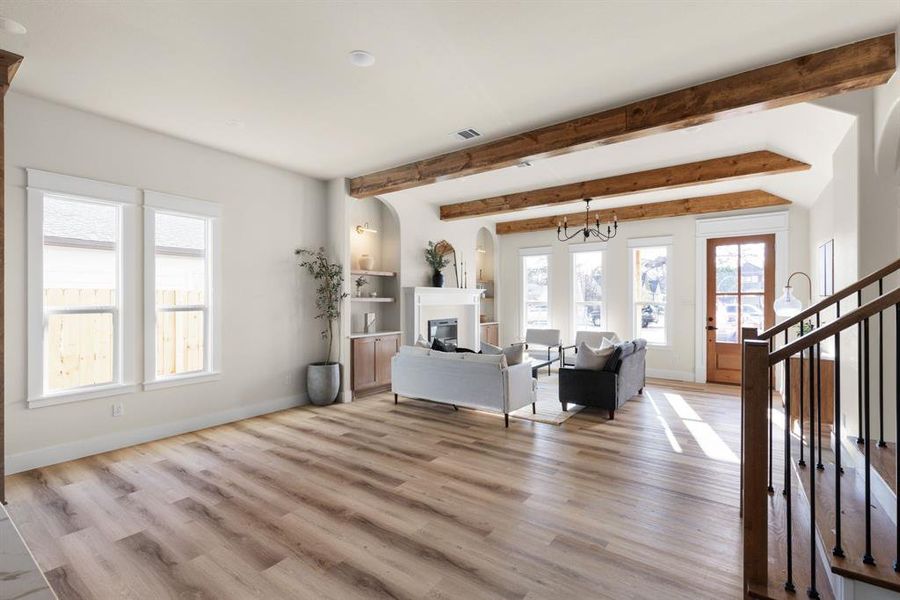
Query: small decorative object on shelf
point(437, 262)
point(369, 320)
point(366, 262)
point(360, 282)
point(373, 294)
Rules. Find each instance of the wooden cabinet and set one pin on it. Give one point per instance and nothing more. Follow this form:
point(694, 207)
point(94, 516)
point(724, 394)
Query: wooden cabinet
point(490, 333)
point(371, 361)
point(827, 382)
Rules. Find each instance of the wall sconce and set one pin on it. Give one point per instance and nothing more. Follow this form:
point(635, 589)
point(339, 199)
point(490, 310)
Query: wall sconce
point(361, 229)
point(480, 250)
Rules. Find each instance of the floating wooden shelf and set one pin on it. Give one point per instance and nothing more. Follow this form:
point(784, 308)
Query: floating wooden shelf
point(370, 299)
point(374, 273)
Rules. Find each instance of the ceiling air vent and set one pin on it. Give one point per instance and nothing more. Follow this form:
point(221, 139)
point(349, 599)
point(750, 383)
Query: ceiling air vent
point(467, 134)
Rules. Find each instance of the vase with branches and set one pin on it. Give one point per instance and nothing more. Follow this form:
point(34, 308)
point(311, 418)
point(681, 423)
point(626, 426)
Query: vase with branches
point(360, 282)
point(437, 261)
point(323, 379)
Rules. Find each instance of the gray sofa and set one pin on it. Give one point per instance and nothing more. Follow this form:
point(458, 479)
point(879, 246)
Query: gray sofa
point(621, 379)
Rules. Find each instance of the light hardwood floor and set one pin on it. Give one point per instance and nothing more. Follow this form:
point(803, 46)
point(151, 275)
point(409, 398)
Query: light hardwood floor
point(373, 500)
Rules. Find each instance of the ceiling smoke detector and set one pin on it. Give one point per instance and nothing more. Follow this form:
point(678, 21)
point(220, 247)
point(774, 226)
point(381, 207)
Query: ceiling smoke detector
point(10, 26)
point(361, 58)
point(467, 134)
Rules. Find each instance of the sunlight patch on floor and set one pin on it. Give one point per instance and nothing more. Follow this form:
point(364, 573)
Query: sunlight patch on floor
point(706, 437)
point(668, 430)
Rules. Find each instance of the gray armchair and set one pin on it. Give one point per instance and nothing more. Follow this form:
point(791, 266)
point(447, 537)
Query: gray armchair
point(545, 343)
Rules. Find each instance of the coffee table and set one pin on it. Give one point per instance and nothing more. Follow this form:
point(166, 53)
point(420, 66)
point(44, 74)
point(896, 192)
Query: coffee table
point(538, 363)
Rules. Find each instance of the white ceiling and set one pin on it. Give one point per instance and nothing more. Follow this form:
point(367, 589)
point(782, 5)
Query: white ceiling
point(280, 69)
point(804, 132)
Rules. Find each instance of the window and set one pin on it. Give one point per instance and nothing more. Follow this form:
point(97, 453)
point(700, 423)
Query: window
point(80, 288)
point(182, 339)
point(535, 288)
point(587, 287)
point(649, 276)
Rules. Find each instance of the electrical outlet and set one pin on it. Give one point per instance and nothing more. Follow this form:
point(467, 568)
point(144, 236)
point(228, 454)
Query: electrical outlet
point(118, 409)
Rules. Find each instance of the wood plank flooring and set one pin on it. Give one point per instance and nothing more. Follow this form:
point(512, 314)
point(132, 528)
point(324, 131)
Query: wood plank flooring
point(372, 500)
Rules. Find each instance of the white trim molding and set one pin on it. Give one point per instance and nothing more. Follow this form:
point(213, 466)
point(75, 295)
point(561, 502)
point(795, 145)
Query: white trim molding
point(41, 184)
point(536, 251)
point(777, 222)
point(211, 213)
point(644, 242)
point(587, 247)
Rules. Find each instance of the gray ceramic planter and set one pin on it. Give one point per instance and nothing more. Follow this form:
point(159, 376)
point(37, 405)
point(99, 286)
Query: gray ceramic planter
point(323, 382)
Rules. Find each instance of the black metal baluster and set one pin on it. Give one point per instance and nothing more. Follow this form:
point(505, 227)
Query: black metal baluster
point(867, 556)
point(811, 590)
point(801, 462)
point(881, 442)
point(771, 442)
point(818, 359)
point(789, 582)
point(838, 550)
point(859, 379)
point(897, 422)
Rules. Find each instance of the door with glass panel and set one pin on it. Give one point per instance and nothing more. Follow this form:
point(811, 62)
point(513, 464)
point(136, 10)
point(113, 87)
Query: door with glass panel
point(740, 287)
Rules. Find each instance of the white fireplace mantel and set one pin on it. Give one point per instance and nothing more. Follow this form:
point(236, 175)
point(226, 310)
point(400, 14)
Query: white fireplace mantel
point(464, 302)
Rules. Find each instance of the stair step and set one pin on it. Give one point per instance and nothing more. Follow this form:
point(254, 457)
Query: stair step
point(884, 460)
point(884, 550)
point(777, 570)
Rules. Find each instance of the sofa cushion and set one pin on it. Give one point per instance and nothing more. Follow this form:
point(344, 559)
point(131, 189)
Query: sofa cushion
point(440, 346)
point(593, 358)
point(640, 344)
point(514, 354)
point(621, 351)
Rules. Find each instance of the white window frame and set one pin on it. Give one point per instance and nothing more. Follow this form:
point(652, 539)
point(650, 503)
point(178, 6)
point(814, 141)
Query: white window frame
point(664, 241)
point(573, 302)
point(523, 312)
point(211, 212)
point(125, 199)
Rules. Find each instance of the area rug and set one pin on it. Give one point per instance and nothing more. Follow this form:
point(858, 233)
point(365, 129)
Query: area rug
point(549, 410)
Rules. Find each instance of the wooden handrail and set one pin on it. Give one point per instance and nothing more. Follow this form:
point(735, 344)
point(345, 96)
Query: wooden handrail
point(832, 299)
point(851, 318)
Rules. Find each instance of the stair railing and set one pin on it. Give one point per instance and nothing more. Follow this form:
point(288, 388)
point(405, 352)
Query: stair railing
point(759, 359)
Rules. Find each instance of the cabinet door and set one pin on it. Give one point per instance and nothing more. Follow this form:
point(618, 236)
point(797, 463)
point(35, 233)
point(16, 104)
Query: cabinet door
point(490, 334)
point(363, 363)
point(385, 349)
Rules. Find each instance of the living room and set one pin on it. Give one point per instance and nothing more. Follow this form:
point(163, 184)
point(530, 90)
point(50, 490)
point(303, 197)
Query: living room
point(298, 307)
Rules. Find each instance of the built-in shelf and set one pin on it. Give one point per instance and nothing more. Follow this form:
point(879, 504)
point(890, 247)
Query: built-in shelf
point(374, 273)
point(359, 334)
point(370, 299)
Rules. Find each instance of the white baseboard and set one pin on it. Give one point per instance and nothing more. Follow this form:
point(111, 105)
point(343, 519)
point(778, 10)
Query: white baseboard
point(42, 457)
point(671, 374)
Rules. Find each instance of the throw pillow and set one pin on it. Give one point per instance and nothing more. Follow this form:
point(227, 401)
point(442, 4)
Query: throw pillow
point(591, 358)
point(422, 342)
point(465, 351)
point(438, 345)
point(515, 354)
point(490, 348)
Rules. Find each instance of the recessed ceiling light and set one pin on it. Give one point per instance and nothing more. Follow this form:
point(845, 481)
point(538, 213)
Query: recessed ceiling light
point(10, 26)
point(361, 58)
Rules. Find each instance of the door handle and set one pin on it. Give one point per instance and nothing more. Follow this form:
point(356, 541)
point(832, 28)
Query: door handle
point(711, 327)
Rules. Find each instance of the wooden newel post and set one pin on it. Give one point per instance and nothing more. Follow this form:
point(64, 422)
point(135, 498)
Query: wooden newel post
point(755, 449)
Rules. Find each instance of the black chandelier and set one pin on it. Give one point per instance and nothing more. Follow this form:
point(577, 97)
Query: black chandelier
point(562, 229)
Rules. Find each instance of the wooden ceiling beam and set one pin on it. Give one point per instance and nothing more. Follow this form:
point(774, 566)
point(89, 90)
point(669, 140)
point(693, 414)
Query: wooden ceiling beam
point(701, 172)
point(657, 210)
point(859, 65)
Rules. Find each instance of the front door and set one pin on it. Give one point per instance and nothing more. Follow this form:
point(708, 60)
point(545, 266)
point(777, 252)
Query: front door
point(740, 291)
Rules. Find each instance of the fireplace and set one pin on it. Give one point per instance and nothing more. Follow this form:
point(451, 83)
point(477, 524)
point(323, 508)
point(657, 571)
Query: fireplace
point(443, 330)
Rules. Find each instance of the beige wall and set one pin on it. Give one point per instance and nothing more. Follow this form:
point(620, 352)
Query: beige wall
point(269, 335)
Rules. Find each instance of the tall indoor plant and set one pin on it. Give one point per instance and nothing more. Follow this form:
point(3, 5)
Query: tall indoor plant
point(323, 379)
point(437, 262)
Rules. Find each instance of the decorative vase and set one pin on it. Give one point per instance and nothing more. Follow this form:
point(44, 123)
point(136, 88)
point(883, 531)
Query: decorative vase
point(437, 280)
point(366, 262)
point(323, 382)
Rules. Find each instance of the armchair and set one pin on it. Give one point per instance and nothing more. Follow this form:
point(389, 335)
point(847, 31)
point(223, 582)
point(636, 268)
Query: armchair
point(544, 341)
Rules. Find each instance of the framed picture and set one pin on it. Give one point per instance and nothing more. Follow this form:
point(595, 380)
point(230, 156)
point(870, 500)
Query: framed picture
point(826, 268)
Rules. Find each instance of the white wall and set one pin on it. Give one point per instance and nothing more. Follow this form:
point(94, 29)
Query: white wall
point(676, 360)
point(269, 335)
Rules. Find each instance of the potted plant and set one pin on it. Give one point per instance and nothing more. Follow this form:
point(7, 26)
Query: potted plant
point(323, 379)
point(437, 262)
point(360, 282)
